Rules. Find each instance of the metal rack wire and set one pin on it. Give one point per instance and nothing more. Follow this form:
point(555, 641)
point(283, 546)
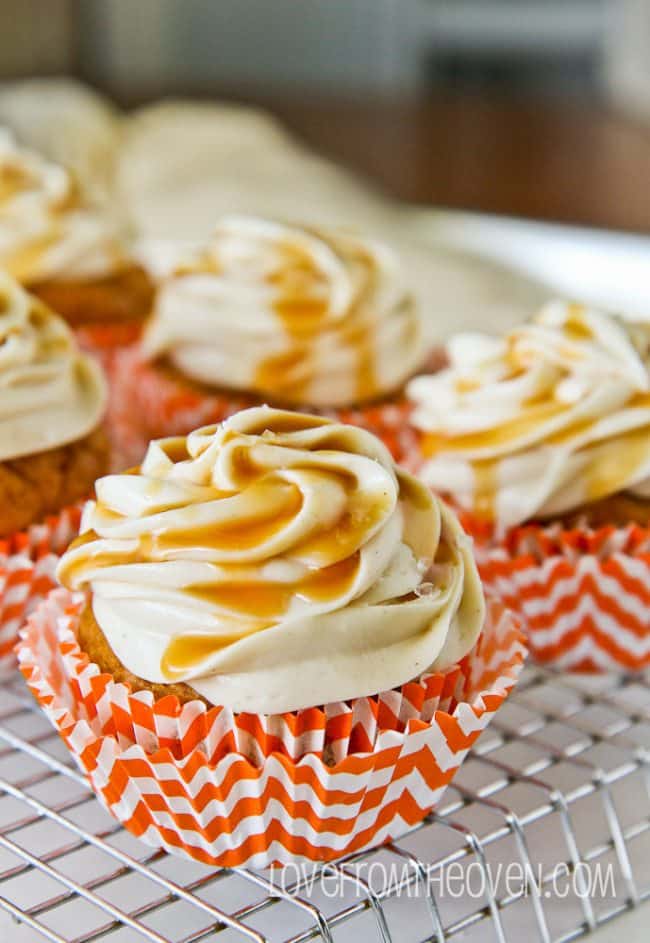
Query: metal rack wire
point(545, 832)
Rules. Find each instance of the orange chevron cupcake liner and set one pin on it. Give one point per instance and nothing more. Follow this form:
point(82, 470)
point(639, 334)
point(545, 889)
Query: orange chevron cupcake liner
point(233, 790)
point(151, 403)
point(27, 563)
point(583, 594)
point(104, 339)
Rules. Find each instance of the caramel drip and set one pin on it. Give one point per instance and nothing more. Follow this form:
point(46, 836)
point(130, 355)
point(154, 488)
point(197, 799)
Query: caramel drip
point(286, 422)
point(364, 512)
point(175, 450)
point(503, 435)
point(260, 601)
point(575, 326)
point(270, 601)
point(412, 492)
point(283, 501)
point(13, 179)
point(22, 262)
point(184, 652)
point(610, 472)
point(486, 483)
point(302, 306)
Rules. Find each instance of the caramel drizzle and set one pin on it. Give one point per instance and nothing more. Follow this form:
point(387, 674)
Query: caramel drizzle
point(605, 475)
point(331, 557)
point(302, 306)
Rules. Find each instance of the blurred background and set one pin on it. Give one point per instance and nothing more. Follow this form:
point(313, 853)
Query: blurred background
point(535, 108)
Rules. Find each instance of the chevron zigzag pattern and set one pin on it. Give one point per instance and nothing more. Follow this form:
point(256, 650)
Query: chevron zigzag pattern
point(245, 789)
point(150, 403)
point(584, 598)
point(27, 565)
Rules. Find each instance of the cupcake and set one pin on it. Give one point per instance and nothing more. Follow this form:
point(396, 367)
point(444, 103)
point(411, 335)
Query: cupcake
point(545, 434)
point(68, 253)
point(273, 643)
point(52, 447)
point(289, 316)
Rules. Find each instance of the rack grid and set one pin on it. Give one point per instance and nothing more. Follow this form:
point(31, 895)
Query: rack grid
point(544, 834)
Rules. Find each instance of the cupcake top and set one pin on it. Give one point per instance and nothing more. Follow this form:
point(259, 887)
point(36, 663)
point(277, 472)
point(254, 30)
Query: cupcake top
point(50, 393)
point(46, 231)
point(551, 417)
point(274, 562)
point(299, 315)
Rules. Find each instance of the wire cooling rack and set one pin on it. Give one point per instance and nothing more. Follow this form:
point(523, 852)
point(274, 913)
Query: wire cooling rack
point(543, 835)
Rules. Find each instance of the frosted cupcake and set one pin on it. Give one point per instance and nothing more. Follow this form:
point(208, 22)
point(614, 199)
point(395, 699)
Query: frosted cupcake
point(70, 254)
point(549, 427)
point(307, 617)
point(52, 446)
point(268, 313)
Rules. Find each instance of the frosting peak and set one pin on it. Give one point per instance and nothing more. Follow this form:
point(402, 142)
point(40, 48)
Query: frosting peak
point(276, 561)
point(46, 231)
point(300, 315)
point(50, 393)
point(552, 416)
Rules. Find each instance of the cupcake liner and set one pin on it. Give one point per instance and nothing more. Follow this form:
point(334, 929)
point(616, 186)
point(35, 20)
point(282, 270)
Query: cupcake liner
point(105, 336)
point(583, 594)
point(240, 789)
point(27, 566)
point(151, 403)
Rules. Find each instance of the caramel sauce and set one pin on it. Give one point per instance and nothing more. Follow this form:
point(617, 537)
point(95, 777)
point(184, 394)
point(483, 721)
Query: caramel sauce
point(175, 449)
point(184, 652)
point(467, 385)
point(486, 485)
point(22, 262)
point(262, 601)
point(610, 472)
point(279, 503)
point(72, 571)
point(413, 492)
point(639, 401)
point(13, 179)
point(302, 306)
point(505, 434)
point(286, 422)
point(575, 326)
point(363, 513)
point(270, 601)
point(576, 330)
point(301, 316)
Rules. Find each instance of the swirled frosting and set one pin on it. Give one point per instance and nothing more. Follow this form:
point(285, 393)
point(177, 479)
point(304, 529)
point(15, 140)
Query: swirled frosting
point(276, 561)
point(551, 417)
point(298, 315)
point(46, 231)
point(50, 393)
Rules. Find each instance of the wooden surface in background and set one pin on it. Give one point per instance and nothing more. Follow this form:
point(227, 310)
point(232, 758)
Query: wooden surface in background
point(548, 160)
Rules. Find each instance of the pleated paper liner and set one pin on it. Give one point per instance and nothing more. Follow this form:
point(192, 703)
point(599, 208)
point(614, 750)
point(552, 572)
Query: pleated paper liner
point(255, 790)
point(27, 564)
point(153, 403)
point(583, 594)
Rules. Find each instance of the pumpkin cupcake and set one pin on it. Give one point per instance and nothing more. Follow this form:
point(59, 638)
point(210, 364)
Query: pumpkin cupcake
point(52, 446)
point(277, 314)
point(269, 608)
point(70, 254)
point(545, 434)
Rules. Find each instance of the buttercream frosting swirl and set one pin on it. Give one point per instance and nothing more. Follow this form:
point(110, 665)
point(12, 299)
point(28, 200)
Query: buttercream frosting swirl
point(551, 417)
point(46, 229)
point(276, 561)
point(303, 316)
point(50, 393)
